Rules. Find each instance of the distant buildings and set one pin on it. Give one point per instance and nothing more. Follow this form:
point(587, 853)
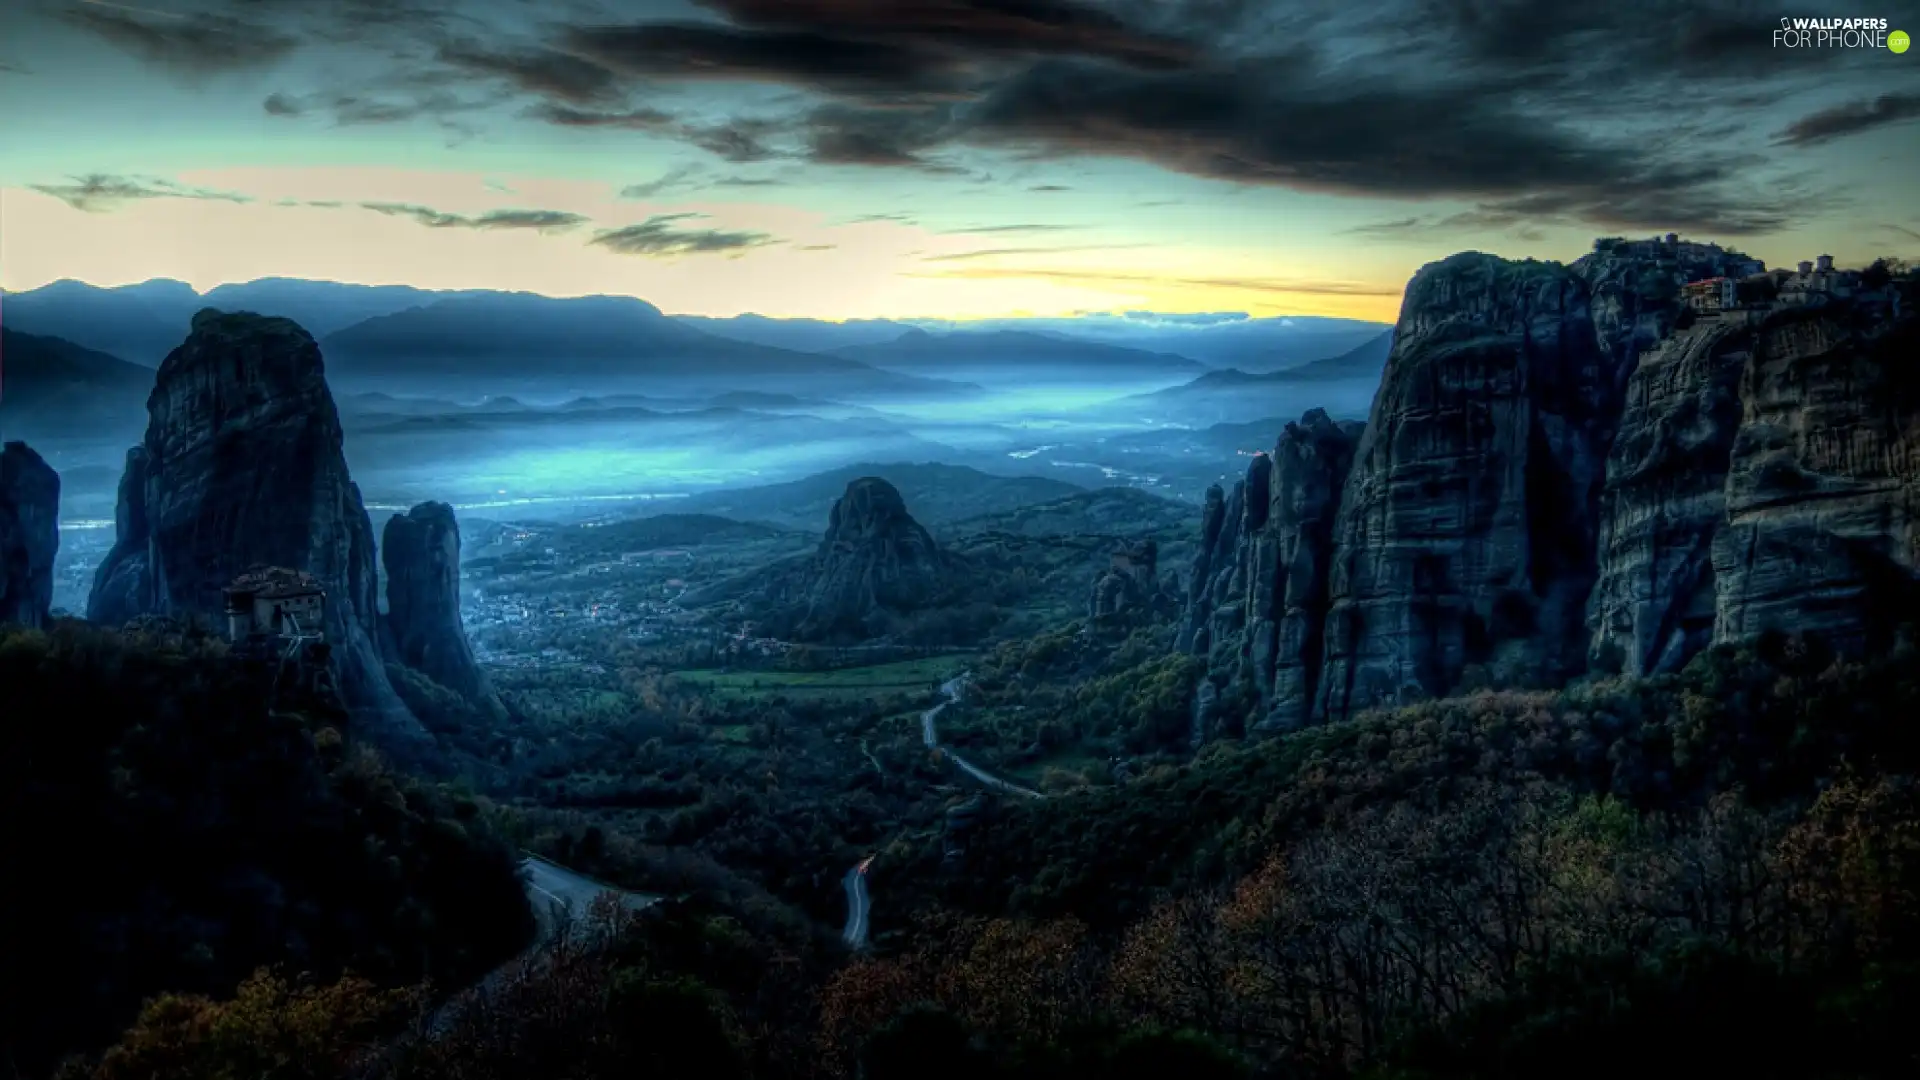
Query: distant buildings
point(1756, 291)
point(272, 601)
point(1711, 296)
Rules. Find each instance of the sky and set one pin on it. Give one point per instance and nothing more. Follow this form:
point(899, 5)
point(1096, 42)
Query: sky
point(932, 158)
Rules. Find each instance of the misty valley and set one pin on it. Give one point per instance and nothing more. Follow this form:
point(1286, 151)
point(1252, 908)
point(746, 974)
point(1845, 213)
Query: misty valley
point(485, 684)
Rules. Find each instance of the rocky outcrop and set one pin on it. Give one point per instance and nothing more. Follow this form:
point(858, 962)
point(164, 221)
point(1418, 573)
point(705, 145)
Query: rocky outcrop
point(1466, 530)
point(874, 559)
point(1822, 527)
point(1564, 469)
point(1664, 503)
point(1258, 601)
point(874, 565)
point(29, 535)
point(242, 466)
point(420, 551)
point(1130, 590)
point(1293, 559)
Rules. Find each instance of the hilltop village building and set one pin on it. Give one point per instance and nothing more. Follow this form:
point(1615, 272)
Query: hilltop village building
point(271, 601)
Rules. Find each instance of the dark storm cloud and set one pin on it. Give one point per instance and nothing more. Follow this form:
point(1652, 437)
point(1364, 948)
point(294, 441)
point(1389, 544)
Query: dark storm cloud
point(659, 237)
point(1851, 119)
point(101, 192)
point(712, 52)
point(190, 44)
point(741, 141)
point(354, 109)
point(631, 119)
point(1030, 27)
point(545, 72)
point(1043, 188)
point(546, 221)
point(1533, 112)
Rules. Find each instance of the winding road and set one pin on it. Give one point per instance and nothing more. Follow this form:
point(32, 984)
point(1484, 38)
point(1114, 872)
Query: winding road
point(859, 903)
point(560, 898)
point(559, 895)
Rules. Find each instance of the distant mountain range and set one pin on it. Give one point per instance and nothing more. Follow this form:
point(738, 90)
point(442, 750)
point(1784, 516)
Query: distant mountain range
point(143, 322)
point(520, 336)
point(1221, 340)
point(51, 389)
point(944, 494)
point(1344, 385)
point(1013, 355)
point(805, 335)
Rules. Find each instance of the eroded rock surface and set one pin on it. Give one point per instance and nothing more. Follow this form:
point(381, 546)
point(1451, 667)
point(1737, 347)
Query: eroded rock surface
point(29, 535)
point(420, 551)
point(242, 466)
point(1567, 467)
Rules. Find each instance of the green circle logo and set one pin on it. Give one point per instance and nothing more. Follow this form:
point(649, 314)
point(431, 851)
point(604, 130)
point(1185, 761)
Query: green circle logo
point(1897, 41)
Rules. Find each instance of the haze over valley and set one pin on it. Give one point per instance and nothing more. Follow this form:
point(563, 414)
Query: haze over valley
point(510, 405)
point(958, 540)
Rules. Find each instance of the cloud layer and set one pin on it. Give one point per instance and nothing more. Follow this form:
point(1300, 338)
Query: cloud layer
point(1635, 115)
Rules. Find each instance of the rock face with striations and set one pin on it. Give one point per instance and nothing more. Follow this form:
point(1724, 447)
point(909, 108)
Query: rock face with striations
point(242, 466)
point(1654, 601)
point(1822, 524)
point(1565, 468)
point(420, 550)
point(29, 535)
point(1465, 533)
point(1258, 603)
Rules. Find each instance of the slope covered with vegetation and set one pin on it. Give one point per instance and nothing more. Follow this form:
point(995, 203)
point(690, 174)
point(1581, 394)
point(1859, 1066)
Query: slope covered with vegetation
point(177, 821)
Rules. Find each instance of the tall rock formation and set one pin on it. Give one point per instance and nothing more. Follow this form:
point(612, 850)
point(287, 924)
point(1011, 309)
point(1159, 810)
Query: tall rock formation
point(1822, 527)
point(1258, 601)
point(242, 466)
point(1292, 560)
point(1654, 602)
point(29, 535)
point(1569, 467)
point(874, 558)
point(1466, 530)
point(421, 553)
point(874, 563)
point(1130, 589)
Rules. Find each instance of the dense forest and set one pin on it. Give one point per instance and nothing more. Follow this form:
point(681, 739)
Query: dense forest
point(178, 819)
point(1716, 870)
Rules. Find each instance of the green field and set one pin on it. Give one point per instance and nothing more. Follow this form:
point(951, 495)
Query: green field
point(853, 683)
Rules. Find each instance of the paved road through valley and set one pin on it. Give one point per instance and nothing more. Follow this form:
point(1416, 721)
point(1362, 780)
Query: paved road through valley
point(859, 903)
point(560, 898)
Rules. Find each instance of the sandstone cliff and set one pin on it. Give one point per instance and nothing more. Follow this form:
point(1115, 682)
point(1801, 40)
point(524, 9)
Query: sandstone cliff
point(242, 466)
point(1563, 469)
point(29, 535)
point(421, 553)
